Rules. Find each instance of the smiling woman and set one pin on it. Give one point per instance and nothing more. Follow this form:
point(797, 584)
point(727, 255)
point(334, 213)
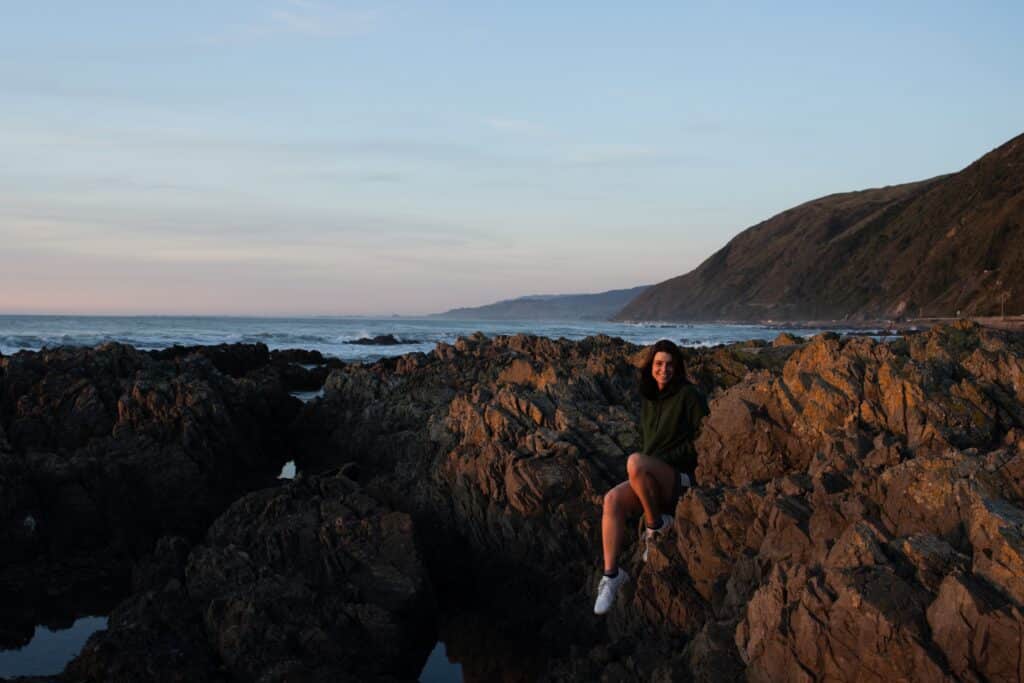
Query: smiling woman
point(671, 413)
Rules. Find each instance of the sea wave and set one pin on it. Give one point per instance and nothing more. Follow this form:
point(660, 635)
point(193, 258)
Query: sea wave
point(332, 336)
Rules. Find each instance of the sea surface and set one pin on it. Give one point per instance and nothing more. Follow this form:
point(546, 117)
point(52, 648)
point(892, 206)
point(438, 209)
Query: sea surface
point(335, 336)
point(50, 649)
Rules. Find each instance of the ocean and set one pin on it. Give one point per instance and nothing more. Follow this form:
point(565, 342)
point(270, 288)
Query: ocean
point(334, 336)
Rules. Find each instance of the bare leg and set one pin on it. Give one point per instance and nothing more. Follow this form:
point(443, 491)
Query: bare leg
point(619, 503)
point(652, 481)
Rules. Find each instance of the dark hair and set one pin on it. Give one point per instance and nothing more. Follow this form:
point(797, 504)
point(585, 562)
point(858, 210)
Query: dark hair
point(649, 387)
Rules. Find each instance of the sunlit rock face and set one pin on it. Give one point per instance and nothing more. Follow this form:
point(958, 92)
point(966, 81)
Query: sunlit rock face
point(853, 494)
point(860, 508)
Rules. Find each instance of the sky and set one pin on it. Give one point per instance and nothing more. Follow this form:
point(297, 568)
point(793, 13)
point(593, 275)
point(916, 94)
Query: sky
point(311, 157)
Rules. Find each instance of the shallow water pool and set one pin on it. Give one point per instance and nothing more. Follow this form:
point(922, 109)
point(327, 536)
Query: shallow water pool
point(49, 651)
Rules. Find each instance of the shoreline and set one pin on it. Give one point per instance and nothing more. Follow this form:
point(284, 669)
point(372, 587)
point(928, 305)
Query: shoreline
point(1009, 322)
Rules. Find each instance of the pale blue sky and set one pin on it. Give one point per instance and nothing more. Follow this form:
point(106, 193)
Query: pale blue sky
point(316, 157)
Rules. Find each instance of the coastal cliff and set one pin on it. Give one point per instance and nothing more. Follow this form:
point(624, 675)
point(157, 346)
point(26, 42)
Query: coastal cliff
point(858, 514)
point(942, 247)
point(600, 306)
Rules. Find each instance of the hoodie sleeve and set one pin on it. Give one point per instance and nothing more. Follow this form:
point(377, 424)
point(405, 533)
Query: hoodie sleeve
point(695, 408)
point(694, 413)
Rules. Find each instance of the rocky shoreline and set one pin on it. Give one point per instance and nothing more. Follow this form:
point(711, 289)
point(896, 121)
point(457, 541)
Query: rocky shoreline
point(859, 513)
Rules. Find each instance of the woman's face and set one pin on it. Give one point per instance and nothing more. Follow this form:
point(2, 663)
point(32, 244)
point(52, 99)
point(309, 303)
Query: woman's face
point(663, 368)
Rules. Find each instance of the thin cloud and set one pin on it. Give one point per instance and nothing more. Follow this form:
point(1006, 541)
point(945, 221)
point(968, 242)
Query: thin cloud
point(511, 125)
point(82, 227)
point(302, 18)
point(383, 177)
point(616, 155)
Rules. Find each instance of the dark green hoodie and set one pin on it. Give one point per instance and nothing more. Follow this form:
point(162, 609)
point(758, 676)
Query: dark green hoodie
point(670, 423)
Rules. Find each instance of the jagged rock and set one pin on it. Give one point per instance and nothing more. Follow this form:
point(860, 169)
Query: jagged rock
point(315, 575)
point(858, 624)
point(787, 339)
point(382, 340)
point(769, 425)
point(156, 635)
point(519, 435)
point(978, 630)
point(312, 580)
point(110, 449)
point(295, 369)
point(858, 514)
point(842, 482)
point(235, 360)
point(301, 356)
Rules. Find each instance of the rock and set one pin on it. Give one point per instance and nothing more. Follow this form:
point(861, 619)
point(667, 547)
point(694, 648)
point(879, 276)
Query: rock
point(977, 629)
point(787, 339)
point(165, 564)
point(858, 515)
point(235, 360)
point(302, 370)
point(312, 580)
point(156, 635)
point(382, 340)
point(110, 449)
point(300, 356)
point(831, 388)
point(503, 448)
point(316, 575)
point(842, 481)
point(844, 625)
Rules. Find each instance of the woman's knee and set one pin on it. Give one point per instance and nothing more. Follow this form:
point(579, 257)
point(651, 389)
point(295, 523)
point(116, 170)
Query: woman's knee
point(613, 502)
point(635, 465)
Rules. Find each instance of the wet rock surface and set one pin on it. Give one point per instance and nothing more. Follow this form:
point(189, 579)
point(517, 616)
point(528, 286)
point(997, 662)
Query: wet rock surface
point(382, 340)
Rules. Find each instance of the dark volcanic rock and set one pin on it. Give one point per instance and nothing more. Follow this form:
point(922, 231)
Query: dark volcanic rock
point(157, 636)
point(310, 581)
point(107, 449)
point(301, 356)
point(303, 370)
point(295, 369)
point(231, 359)
point(382, 340)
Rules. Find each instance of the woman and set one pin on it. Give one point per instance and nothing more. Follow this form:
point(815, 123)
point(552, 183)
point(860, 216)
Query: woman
point(670, 417)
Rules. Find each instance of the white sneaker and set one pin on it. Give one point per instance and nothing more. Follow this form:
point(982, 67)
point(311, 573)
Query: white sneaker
point(651, 535)
point(607, 589)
